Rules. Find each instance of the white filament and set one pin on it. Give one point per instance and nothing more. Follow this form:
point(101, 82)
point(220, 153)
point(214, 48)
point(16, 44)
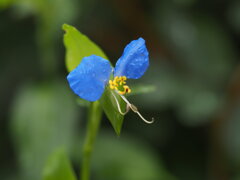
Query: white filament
point(118, 106)
point(133, 108)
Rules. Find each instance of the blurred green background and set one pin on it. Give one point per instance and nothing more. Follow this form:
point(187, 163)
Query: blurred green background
point(194, 64)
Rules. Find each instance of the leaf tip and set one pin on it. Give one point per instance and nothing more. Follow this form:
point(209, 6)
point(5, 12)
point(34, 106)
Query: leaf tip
point(67, 27)
point(118, 131)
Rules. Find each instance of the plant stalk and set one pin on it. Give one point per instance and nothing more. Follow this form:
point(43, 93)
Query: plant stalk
point(94, 119)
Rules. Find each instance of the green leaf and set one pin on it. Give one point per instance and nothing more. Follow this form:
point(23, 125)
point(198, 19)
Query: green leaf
point(58, 167)
point(78, 46)
point(110, 108)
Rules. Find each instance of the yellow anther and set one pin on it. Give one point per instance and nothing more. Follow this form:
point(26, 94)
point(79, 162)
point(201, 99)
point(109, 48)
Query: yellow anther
point(127, 89)
point(118, 83)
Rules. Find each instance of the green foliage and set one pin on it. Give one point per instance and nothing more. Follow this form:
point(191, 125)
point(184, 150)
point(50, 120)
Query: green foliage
point(110, 108)
point(58, 167)
point(79, 46)
point(41, 122)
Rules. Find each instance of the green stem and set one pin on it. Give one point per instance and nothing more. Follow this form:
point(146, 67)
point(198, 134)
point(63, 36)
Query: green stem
point(94, 118)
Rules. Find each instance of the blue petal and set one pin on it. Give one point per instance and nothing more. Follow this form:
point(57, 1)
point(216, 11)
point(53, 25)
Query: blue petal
point(89, 78)
point(134, 61)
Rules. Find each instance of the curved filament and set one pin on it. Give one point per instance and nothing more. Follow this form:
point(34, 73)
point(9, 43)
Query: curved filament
point(135, 110)
point(146, 121)
point(118, 106)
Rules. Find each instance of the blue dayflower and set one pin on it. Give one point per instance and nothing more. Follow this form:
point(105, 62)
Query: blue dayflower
point(89, 78)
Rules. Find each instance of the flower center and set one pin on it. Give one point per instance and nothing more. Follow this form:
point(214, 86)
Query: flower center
point(118, 83)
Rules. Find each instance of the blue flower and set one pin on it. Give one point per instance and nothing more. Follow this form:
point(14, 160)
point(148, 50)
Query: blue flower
point(89, 78)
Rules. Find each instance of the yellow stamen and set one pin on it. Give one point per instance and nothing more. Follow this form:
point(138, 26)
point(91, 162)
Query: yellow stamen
point(118, 83)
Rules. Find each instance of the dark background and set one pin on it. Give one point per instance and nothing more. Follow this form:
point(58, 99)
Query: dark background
point(194, 65)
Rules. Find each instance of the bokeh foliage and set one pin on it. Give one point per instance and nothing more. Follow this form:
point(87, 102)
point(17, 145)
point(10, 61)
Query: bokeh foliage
point(194, 68)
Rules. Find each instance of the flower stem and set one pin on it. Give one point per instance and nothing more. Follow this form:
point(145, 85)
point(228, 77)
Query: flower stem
point(94, 119)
